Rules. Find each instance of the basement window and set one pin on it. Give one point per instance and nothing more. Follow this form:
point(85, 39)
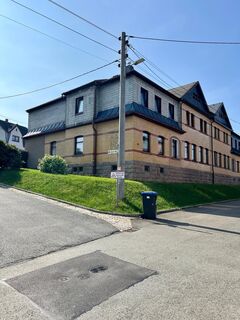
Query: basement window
point(147, 168)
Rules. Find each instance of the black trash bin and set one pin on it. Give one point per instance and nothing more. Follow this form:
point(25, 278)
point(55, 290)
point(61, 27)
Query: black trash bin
point(149, 199)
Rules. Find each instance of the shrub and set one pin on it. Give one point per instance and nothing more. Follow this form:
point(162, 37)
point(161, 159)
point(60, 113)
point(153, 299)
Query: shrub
point(52, 164)
point(10, 156)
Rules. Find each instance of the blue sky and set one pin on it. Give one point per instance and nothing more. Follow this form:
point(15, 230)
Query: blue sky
point(29, 60)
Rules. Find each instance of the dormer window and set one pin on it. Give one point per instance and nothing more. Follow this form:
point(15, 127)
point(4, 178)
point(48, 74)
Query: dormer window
point(158, 104)
point(171, 111)
point(79, 105)
point(144, 97)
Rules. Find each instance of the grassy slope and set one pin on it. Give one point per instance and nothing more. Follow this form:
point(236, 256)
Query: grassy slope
point(99, 193)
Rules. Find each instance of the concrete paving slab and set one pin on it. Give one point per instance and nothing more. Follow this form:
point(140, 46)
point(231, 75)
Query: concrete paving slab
point(68, 289)
point(15, 306)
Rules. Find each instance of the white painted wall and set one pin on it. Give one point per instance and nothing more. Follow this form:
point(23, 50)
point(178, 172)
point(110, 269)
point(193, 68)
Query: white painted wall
point(2, 135)
point(16, 132)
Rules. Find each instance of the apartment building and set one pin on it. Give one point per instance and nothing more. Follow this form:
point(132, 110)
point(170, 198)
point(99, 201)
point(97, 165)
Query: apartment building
point(170, 135)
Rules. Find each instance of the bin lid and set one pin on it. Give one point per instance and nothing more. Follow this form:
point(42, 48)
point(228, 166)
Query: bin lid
point(149, 193)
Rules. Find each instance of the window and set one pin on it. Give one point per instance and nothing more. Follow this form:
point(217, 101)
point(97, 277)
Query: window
point(225, 161)
point(194, 158)
point(146, 141)
point(114, 167)
point(220, 160)
point(188, 117)
point(186, 150)
point(225, 137)
point(161, 145)
point(79, 145)
point(206, 156)
point(236, 144)
point(192, 120)
point(161, 170)
point(15, 138)
point(233, 165)
point(216, 133)
point(158, 104)
point(146, 168)
point(201, 154)
point(175, 148)
point(215, 159)
point(144, 97)
point(79, 105)
point(228, 162)
point(171, 111)
point(203, 126)
point(53, 148)
point(238, 167)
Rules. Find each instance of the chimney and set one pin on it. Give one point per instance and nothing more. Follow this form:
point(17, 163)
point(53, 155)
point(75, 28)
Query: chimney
point(6, 120)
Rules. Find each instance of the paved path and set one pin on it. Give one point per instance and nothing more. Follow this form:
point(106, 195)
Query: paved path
point(196, 256)
point(30, 227)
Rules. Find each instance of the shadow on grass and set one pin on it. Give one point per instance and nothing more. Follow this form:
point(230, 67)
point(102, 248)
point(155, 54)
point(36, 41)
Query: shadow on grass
point(9, 177)
point(180, 195)
point(134, 207)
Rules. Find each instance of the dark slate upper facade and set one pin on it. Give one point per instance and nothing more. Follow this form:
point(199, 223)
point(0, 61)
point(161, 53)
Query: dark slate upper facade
point(192, 94)
point(220, 114)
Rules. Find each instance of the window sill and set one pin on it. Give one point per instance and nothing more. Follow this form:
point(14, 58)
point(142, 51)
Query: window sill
point(79, 113)
point(78, 155)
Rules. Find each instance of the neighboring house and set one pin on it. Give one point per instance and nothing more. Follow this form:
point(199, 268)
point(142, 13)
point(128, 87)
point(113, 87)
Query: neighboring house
point(12, 133)
point(170, 135)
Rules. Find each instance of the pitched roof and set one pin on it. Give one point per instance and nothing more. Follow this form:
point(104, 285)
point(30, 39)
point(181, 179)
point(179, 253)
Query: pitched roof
point(45, 104)
point(215, 107)
point(134, 108)
point(220, 114)
point(182, 90)
point(8, 127)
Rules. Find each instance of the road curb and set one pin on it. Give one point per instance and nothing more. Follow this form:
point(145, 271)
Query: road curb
point(137, 215)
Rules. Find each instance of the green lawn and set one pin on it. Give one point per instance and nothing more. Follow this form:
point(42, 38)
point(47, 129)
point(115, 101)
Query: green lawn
point(100, 193)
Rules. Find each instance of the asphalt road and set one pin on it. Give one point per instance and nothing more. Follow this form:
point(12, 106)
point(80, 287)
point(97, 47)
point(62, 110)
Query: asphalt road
point(30, 227)
point(195, 255)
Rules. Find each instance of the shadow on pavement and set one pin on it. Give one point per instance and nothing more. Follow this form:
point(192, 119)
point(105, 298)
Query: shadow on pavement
point(178, 224)
point(231, 209)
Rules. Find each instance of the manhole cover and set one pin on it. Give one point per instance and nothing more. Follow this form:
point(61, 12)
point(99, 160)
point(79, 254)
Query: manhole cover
point(68, 296)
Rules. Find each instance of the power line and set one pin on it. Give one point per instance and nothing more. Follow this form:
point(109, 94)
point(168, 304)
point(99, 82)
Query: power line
point(82, 18)
point(154, 73)
point(155, 66)
point(58, 83)
point(187, 41)
point(176, 90)
point(51, 37)
point(64, 26)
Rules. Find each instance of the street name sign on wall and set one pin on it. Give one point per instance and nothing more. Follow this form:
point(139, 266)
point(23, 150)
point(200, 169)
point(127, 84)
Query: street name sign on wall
point(112, 151)
point(117, 175)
